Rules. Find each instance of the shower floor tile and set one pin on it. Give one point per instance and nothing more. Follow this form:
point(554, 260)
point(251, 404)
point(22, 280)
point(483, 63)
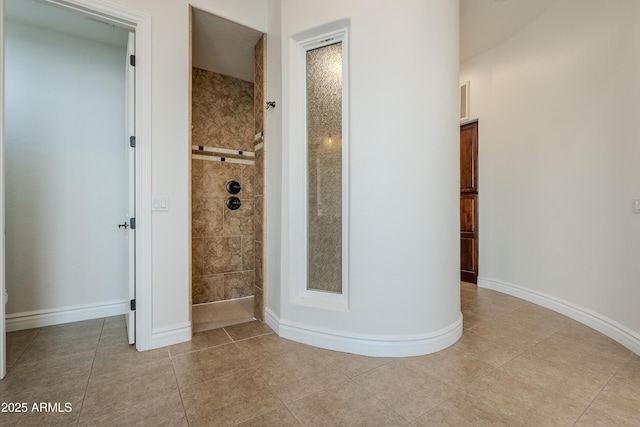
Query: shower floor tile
point(220, 314)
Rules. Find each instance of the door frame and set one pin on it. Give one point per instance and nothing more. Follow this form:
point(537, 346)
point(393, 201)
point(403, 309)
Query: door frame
point(140, 23)
point(3, 350)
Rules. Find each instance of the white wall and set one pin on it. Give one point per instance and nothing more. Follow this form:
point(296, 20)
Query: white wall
point(65, 173)
point(273, 161)
point(404, 178)
point(559, 144)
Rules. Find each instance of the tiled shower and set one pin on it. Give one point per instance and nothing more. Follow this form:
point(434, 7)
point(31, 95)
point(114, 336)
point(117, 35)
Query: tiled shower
point(227, 147)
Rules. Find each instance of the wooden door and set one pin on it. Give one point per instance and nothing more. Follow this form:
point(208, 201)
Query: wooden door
point(469, 202)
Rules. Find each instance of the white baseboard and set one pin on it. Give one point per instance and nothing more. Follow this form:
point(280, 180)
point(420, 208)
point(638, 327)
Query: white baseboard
point(272, 320)
point(614, 330)
point(57, 316)
point(377, 346)
point(171, 335)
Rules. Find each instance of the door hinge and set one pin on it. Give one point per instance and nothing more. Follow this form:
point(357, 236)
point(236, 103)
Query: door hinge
point(132, 141)
point(132, 305)
point(132, 60)
point(132, 223)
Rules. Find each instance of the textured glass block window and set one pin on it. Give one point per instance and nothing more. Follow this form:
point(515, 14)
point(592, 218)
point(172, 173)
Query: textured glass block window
point(324, 167)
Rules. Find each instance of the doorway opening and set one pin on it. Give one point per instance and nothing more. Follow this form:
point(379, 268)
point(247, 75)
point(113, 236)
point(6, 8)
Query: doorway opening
point(227, 171)
point(78, 149)
point(469, 202)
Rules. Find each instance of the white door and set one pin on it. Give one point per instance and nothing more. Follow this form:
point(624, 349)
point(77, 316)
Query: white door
point(130, 98)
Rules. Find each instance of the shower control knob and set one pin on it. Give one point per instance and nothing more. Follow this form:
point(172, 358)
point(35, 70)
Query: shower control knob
point(233, 203)
point(233, 187)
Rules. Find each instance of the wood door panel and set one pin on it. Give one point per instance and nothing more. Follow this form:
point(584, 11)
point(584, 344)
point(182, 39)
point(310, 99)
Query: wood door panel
point(468, 213)
point(467, 254)
point(469, 158)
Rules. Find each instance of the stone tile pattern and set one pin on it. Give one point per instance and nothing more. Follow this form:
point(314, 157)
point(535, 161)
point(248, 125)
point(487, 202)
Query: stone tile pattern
point(324, 126)
point(517, 364)
point(259, 100)
point(222, 111)
point(223, 240)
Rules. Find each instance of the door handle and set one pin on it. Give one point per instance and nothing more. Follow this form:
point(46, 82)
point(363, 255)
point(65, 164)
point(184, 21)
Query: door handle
point(125, 225)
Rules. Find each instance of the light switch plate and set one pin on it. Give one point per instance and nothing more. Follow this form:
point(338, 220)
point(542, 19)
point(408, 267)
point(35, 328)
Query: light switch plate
point(160, 203)
point(635, 206)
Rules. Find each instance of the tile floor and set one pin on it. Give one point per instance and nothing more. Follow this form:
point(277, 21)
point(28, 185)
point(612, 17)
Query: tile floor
point(516, 364)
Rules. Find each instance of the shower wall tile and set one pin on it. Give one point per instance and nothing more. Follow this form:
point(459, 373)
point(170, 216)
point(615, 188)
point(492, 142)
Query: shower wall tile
point(238, 285)
point(207, 289)
point(196, 180)
point(207, 218)
point(240, 221)
point(259, 260)
point(259, 84)
point(259, 173)
point(258, 190)
point(197, 257)
point(258, 216)
point(258, 303)
point(248, 250)
point(217, 174)
point(222, 111)
point(222, 255)
point(248, 178)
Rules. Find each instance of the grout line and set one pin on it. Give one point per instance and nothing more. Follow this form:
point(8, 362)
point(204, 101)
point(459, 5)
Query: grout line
point(175, 377)
point(95, 354)
point(250, 338)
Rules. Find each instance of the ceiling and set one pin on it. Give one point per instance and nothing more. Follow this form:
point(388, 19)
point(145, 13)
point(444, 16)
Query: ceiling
point(226, 47)
point(223, 46)
point(62, 20)
point(486, 23)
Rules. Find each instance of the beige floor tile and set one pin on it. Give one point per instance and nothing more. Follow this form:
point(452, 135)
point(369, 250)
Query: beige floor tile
point(280, 417)
point(496, 331)
point(350, 364)
point(630, 371)
point(567, 349)
point(121, 358)
point(228, 400)
point(59, 350)
point(619, 400)
point(268, 347)
point(59, 393)
point(492, 353)
point(166, 410)
point(452, 366)
point(213, 362)
point(111, 393)
point(345, 404)
point(17, 343)
point(298, 374)
point(463, 411)
point(42, 375)
point(525, 401)
point(201, 341)
point(516, 363)
point(569, 381)
point(595, 417)
point(407, 390)
point(248, 330)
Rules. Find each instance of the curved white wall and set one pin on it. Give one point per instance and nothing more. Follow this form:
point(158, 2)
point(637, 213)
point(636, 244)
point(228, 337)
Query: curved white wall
point(559, 148)
point(404, 180)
